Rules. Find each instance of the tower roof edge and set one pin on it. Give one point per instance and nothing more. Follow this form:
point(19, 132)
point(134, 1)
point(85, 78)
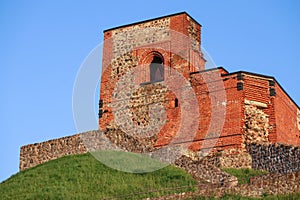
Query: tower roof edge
point(148, 20)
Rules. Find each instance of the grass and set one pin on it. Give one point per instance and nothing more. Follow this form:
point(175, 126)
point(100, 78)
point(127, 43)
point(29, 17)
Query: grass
point(83, 177)
point(128, 162)
point(238, 197)
point(244, 175)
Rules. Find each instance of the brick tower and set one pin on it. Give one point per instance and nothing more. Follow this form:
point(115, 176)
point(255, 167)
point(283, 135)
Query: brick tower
point(234, 108)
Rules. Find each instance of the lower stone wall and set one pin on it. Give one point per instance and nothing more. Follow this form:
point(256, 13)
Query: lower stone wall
point(34, 154)
point(270, 184)
point(275, 158)
point(277, 183)
point(205, 173)
point(281, 160)
point(230, 158)
point(235, 158)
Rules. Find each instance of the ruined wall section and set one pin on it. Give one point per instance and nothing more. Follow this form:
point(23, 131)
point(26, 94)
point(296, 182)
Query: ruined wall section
point(38, 153)
point(204, 172)
point(256, 128)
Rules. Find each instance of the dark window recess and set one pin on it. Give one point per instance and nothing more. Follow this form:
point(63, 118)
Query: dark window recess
point(100, 113)
point(272, 92)
point(176, 103)
point(100, 103)
point(240, 86)
point(156, 69)
point(240, 77)
point(271, 83)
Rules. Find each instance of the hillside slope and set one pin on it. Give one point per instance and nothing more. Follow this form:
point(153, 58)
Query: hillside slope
point(83, 177)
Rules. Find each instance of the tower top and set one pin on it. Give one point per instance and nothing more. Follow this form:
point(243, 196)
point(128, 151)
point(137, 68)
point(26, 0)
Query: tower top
point(157, 18)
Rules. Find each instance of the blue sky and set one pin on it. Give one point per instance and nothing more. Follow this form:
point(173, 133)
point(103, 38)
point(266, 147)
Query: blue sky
point(44, 43)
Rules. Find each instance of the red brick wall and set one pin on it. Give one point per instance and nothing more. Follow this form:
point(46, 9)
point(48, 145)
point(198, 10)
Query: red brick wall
point(281, 110)
point(231, 131)
point(286, 118)
point(233, 127)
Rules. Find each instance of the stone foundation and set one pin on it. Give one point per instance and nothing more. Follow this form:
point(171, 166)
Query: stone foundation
point(231, 158)
point(275, 158)
point(205, 172)
point(270, 184)
point(235, 158)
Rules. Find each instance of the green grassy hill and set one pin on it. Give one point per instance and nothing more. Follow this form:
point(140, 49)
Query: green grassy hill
point(83, 177)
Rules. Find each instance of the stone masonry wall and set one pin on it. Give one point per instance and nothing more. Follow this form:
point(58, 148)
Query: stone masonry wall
point(194, 34)
point(38, 153)
point(34, 154)
point(256, 128)
point(275, 158)
point(235, 158)
point(204, 172)
point(127, 38)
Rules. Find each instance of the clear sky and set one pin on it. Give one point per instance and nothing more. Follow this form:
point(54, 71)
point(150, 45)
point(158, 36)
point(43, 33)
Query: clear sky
point(43, 44)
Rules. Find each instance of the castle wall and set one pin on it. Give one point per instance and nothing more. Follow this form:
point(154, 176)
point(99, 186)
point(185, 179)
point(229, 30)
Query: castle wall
point(275, 158)
point(286, 110)
point(232, 129)
point(38, 153)
point(235, 109)
point(221, 111)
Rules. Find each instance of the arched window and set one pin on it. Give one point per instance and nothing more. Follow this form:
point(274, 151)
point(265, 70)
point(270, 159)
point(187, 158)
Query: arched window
point(157, 69)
